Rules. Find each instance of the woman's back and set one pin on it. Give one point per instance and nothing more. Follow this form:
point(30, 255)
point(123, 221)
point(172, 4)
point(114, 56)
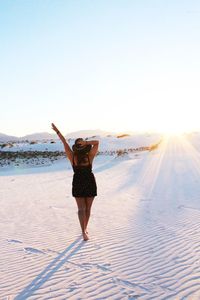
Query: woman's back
point(81, 164)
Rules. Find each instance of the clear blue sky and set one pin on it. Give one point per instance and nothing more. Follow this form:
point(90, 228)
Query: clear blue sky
point(114, 65)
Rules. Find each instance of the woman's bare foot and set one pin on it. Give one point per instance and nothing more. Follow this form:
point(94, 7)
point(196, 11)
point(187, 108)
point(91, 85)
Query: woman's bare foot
point(85, 236)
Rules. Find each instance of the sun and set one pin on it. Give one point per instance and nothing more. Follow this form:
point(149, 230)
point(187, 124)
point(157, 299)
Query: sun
point(174, 126)
point(175, 117)
point(169, 114)
point(173, 129)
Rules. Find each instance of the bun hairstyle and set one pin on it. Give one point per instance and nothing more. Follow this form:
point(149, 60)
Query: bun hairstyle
point(80, 151)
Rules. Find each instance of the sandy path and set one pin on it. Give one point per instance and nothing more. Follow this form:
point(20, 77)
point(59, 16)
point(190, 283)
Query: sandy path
point(145, 240)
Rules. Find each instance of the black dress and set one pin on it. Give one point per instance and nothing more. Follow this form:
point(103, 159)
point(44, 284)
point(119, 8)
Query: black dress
point(84, 183)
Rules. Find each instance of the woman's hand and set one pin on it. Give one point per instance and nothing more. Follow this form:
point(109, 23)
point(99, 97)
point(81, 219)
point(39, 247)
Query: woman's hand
point(54, 127)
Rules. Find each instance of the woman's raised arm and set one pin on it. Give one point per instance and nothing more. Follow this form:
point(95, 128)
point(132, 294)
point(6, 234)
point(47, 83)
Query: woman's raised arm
point(68, 150)
point(94, 150)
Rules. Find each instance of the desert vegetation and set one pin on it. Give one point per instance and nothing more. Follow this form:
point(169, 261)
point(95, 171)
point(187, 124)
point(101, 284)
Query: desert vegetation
point(122, 135)
point(17, 158)
point(40, 158)
point(8, 145)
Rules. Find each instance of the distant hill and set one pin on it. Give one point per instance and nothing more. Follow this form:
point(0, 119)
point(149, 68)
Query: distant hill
point(6, 138)
point(34, 136)
point(39, 136)
point(88, 133)
point(49, 136)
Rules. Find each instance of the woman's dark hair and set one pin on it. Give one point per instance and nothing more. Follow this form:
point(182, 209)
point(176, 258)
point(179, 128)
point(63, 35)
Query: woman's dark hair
point(76, 143)
point(81, 152)
point(82, 158)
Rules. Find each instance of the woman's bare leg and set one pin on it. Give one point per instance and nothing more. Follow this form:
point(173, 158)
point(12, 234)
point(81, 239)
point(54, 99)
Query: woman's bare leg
point(81, 203)
point(88, 201)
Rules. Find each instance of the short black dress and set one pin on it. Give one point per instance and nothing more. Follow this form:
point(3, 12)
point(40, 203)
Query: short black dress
point(84, 183)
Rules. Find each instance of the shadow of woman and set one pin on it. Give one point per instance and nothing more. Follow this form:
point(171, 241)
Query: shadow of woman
point(53, 267)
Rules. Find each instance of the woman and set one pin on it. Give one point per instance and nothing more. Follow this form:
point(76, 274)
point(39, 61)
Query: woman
point(84, 187)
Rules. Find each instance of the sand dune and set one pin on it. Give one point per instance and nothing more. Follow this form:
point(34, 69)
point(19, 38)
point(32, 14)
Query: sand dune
point(144, 230)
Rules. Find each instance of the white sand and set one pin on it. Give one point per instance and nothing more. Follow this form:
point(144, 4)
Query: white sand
point(144, 230)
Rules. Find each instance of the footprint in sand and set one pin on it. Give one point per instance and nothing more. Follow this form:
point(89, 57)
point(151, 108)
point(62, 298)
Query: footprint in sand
point(33, 250)
point(104, 267)
point(73, 286)
point(14, 241)
point(133, 296)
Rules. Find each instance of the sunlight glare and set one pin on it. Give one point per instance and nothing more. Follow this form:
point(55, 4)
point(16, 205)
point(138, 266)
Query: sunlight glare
point(173, 117)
